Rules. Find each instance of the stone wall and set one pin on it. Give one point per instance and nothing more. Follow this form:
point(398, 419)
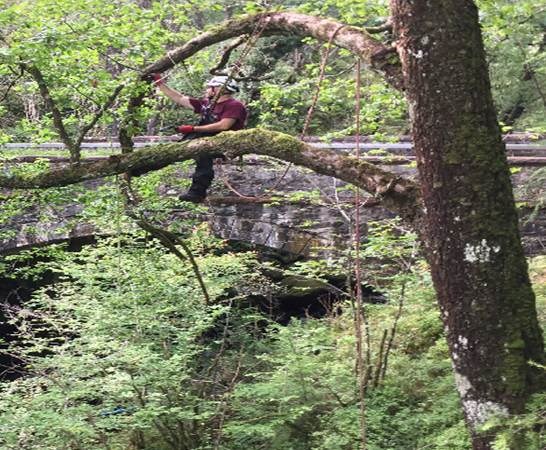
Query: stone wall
point(291, 220)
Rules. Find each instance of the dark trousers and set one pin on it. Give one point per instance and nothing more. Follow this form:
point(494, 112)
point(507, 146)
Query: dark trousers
point(204, 173)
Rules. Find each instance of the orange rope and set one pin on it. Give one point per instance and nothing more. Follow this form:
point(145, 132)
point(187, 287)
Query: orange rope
point(307, 121)
point(359, 318)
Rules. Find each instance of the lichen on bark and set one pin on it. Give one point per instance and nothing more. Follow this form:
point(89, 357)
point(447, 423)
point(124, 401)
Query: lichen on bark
point(471, 232)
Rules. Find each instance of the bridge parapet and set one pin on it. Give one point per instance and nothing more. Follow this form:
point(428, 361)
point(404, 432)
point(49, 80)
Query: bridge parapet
point(306, 214)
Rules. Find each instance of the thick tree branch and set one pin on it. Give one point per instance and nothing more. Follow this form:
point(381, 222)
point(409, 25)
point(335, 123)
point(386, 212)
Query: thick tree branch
point(397, 194)
point(357, 40)
point(379, 57)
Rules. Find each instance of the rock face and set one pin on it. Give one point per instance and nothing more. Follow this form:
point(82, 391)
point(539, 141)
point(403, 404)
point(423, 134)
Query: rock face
point(301, 213)
point(295, 221)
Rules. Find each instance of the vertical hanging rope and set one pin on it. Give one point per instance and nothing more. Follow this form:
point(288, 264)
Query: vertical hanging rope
point(308, 116)
point(318, 87)
point(361, 372)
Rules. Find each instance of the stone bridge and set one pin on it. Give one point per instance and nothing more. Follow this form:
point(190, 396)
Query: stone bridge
point(305, 214)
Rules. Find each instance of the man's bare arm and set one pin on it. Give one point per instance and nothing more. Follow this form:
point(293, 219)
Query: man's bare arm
point(175, 96)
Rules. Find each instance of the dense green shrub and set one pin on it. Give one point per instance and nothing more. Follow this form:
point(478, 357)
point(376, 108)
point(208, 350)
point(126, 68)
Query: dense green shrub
point(122, 352)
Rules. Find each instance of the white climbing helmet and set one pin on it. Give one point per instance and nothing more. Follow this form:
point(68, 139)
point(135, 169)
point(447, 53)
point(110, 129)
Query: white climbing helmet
point(222, 80)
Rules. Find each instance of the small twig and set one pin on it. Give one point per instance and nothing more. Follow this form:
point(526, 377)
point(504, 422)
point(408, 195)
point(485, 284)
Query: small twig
point(393, 331)
point(361, 316)
point(168, 239)
point(227, 54)
point(109, 102)
point(337, 202)
point(119, 63)
point(10, 85)
point(379, 362)
point(367, 335)
point(532, 74)
point(244, 77)
point(387, 26)
point(337, 75)
point(223, 405)
point(337, 397)
point(77, 90)
point(222, 346)
point(94, 47)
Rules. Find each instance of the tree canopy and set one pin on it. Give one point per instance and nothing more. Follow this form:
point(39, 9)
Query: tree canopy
point(75, 68)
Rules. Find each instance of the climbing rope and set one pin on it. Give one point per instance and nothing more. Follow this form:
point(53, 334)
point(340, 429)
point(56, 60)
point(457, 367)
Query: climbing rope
point(362, 374)
point(358, 274)
point(306, 124)
point(250, 43)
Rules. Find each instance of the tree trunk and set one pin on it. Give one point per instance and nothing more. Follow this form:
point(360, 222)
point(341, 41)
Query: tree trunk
point(471, 234)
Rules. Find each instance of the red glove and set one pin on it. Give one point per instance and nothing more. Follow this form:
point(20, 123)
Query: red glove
point(185, 129)
point(158, 79)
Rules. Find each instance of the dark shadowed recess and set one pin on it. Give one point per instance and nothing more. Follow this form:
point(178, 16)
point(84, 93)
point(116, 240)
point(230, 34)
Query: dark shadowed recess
point(298, 297)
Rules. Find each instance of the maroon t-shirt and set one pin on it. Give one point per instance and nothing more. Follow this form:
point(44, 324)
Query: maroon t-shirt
point(230, 109)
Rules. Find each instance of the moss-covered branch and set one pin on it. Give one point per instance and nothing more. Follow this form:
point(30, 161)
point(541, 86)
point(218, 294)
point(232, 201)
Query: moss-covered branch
point(397, 194)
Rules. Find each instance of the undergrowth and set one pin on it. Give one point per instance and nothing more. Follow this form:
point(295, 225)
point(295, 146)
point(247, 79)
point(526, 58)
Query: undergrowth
point(121, 352)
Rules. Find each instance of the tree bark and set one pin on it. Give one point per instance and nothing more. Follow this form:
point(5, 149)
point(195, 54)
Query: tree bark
point(470, 224)
point(373, 52)
point(396, 193)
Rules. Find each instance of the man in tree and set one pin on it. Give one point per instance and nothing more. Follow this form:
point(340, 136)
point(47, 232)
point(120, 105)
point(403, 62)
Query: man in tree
point(219, 112)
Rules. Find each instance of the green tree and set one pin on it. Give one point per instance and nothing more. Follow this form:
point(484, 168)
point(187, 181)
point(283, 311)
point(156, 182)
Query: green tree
point(470, 231)
point(123, 353)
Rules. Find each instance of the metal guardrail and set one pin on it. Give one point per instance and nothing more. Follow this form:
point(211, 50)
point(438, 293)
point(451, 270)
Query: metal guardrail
point(333, 145)
point(388, 153)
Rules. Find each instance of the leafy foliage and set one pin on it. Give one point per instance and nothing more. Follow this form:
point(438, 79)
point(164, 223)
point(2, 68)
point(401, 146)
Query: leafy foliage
point(128, 346)
point(85, 49)
point(121, 351)
point(515, 40)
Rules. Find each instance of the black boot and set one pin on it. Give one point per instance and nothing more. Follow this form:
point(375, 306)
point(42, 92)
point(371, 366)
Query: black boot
point(193, 196)
point(201, 180)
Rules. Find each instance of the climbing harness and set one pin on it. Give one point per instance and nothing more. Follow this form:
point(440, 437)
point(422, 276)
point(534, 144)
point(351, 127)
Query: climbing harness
point(306, 124)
